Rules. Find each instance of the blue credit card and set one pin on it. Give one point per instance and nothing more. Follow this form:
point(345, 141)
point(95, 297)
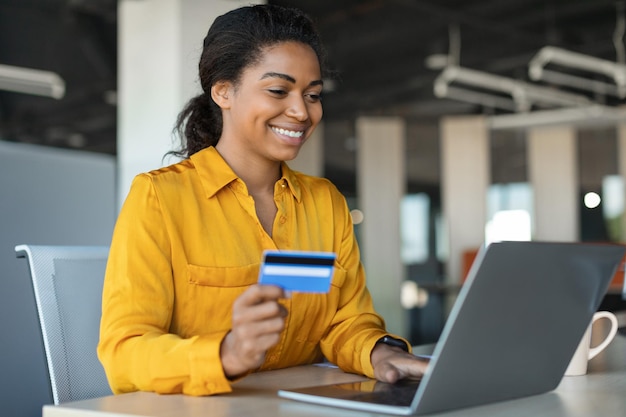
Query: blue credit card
point(302, 271)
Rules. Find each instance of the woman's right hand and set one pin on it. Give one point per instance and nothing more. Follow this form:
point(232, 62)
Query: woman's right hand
point(257, 321)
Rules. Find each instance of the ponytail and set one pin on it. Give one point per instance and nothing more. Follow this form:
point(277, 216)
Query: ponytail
point(200, 124)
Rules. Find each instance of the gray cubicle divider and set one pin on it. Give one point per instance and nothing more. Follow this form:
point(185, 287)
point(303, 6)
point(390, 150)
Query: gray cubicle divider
point(47, 196)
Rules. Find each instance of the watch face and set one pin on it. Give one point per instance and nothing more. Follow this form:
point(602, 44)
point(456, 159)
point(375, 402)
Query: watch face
point(388, 340)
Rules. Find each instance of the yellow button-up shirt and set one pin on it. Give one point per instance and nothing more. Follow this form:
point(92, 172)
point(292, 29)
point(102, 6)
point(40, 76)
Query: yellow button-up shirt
point(188, 242)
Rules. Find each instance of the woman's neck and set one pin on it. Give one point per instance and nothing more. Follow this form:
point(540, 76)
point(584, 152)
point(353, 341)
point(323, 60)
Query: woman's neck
point(258, 174)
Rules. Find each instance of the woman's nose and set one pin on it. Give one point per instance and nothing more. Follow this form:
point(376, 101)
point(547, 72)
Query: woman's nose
point(297, 109)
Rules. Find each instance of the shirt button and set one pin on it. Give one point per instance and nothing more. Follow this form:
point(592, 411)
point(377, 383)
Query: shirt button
point(283, 219)
point(283, 185)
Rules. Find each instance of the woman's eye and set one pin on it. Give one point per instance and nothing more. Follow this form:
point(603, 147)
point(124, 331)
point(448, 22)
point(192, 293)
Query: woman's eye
point(314, 97)
point(278, 92)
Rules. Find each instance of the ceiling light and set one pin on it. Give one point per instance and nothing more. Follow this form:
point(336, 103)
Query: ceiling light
point(522, 93)
point(31, 81)
point(444, 90)
point(579, 83)
point(562, 57)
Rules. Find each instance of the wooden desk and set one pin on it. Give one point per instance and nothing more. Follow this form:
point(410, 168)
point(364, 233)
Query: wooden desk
point(601, 393)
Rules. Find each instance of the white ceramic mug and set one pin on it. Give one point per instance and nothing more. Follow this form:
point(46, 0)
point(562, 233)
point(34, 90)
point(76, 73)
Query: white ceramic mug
point(584, 353)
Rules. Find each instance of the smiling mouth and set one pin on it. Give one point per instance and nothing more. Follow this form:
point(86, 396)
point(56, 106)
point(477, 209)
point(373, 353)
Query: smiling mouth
point(290, 133)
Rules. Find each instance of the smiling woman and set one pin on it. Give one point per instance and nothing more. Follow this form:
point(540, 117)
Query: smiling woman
point(272, 110)
point(182, 309)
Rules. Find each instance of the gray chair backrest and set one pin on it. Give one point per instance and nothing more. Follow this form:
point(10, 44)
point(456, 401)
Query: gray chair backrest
point(67, 282)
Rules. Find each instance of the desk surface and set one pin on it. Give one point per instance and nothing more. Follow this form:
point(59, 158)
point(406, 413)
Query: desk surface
point(600, 393)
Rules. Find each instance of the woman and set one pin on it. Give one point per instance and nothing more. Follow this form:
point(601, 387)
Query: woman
point(182, 311)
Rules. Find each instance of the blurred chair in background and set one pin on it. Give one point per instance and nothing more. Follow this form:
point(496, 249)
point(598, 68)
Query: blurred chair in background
point(67, 283)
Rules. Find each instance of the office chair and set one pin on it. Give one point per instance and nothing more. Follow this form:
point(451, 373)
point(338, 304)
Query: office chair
point(67, 282)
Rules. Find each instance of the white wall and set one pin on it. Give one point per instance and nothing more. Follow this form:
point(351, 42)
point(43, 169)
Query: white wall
point(553, 173)
point(159, 46)
point(381, 185)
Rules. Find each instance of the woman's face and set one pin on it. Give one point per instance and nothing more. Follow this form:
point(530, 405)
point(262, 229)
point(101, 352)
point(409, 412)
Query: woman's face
point(276, 104)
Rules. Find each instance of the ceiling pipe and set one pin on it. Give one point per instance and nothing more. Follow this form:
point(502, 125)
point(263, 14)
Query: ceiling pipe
point(522, 93)
point(31, 81)
point(551, 54)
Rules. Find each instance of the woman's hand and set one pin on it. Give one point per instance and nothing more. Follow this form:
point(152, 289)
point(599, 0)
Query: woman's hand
point(257, 321)
point(392, 364)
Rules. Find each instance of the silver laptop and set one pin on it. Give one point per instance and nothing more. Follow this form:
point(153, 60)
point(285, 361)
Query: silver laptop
point(511, 333)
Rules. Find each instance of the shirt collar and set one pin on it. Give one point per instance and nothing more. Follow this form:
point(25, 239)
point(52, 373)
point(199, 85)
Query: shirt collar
point(216, 174)
point(292, 181)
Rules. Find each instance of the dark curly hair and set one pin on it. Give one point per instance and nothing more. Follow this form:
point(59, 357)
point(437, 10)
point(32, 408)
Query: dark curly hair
point(235, 41)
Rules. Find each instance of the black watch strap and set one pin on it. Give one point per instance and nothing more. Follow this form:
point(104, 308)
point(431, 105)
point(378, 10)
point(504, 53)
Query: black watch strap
point(392, 341)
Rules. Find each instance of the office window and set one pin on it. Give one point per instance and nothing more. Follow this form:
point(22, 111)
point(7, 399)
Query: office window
point(414, 221)
point(509, 212)
point(613, 208)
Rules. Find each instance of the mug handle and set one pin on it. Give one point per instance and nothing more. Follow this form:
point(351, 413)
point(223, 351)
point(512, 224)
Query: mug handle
point(611, 317)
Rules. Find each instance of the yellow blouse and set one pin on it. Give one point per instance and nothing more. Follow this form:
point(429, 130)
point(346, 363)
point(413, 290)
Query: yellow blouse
point(187, 242)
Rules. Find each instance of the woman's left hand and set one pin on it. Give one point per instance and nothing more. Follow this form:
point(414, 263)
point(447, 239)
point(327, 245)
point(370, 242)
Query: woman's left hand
point(392, 364)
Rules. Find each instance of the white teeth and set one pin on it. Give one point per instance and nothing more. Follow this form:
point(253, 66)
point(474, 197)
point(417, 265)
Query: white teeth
point(290, 133)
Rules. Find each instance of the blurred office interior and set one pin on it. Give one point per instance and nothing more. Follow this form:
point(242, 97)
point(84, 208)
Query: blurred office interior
point(448, 124)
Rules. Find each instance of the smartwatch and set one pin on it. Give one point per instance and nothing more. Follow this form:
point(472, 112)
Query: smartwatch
point(392, 341)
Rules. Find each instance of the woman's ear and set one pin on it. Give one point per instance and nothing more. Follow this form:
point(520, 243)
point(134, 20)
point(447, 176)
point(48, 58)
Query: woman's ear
point(221, 93)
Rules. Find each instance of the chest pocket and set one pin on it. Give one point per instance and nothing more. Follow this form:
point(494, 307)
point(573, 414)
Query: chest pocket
point(223, 276)
point(210, 294)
